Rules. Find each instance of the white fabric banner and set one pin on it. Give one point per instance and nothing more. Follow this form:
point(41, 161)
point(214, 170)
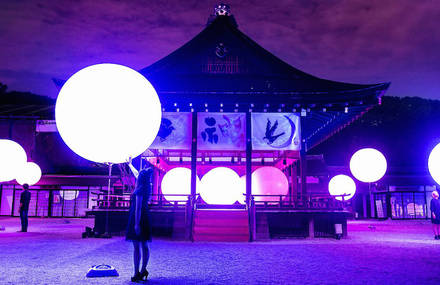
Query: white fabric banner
point(221, 131)
point(276, 131)
point(174, 132)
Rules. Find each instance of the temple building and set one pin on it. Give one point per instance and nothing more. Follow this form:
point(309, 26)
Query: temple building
point(227, 103)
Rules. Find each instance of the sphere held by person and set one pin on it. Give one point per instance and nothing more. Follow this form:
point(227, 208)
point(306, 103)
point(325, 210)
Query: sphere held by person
point(107, 113)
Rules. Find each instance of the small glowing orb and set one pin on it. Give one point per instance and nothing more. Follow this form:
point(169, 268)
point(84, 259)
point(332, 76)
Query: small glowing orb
point(177, 181)
point(269, 180)
point(12, 160)
point(69, 194)
point(368, 165)
point(29, 174)
point(342, 184)
point(220, 186)
point(108, 113)
point(434, 163)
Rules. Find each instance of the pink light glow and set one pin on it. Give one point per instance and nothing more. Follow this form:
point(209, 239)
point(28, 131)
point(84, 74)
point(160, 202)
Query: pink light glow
point(269, 180)
point(342, 184)
point(368, 165)
point(221, 186)
point(177, 181)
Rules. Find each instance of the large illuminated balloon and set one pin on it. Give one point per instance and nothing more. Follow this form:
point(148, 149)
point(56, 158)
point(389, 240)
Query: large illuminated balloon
point(12, 159)
point(434, 163)
point(368, 165)
point(221, 186)
point(108, 113)
point(269, 180)
point(29, 174)
point(342, 184)
point(177, 181)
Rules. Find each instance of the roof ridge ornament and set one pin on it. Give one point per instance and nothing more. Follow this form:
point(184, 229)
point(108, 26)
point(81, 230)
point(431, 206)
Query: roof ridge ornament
point(222, 10)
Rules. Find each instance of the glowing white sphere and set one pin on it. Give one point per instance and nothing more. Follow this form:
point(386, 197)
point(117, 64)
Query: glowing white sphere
point(69, 194)
point(220, 186)
point(434, 163)
point(269, 180)
point(177, 181)
point(368, 165)
point(12, 160)
point(342, 184)
point(108, 113)
point(29, 174)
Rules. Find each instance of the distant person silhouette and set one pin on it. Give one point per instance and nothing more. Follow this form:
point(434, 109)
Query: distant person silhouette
point(139, 221)
point(435, 214)
point(25, 198)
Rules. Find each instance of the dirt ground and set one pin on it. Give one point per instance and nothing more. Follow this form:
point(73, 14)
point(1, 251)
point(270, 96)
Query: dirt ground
point(375, 252)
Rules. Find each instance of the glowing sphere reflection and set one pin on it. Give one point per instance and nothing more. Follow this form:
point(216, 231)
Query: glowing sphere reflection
point(221, 186)
point(177, 181)
point(29, 174)
point(368, 165)
point(69, 194)
point(108, 113)
point(12, 160)
point(342, 184)
point(434, 163)
point(269, 180)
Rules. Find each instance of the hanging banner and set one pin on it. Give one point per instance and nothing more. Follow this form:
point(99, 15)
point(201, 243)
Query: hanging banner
point(174, 132)
point(276, 131)
point(221, 131)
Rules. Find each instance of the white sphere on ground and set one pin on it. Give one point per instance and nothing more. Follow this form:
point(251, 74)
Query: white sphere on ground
point(12, 160)
point(368, 165)
point(434, 163)
point(269, 180)
point(340, 185)
point(108, 113)
point(69, 194)
point(30, 174)
point(177, 181)
point(220, 186)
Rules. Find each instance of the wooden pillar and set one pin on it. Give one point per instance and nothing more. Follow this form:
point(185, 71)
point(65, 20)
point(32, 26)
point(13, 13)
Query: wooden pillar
point(311, 226)
point(303, 161)
point(249, 201)
point(192, 198)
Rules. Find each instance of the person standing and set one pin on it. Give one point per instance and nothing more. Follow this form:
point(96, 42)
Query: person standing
point(435, 214)
point(139, 221)
point(25, 198)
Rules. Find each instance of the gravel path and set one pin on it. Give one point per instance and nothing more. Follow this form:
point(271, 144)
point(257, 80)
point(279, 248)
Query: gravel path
point(376, 252)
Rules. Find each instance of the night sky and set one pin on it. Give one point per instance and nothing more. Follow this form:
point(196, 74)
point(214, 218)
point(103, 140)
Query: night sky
point(355, 41)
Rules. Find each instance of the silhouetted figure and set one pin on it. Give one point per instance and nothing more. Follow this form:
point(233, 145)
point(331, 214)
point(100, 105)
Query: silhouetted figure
point(435, 214)
point(25, 198)
point(139, 221)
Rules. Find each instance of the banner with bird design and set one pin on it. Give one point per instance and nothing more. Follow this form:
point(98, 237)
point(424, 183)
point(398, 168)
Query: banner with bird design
point(174, 132)
point(276, 131)
point(221, 131)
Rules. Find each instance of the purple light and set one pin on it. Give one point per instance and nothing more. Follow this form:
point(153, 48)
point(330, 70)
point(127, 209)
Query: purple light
point(12, 160)
point(368, 165)
point(340, 185)
point(269, 180)
point(434, 163)
point(30, 174)
point(177, 181)
point(221, 186)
